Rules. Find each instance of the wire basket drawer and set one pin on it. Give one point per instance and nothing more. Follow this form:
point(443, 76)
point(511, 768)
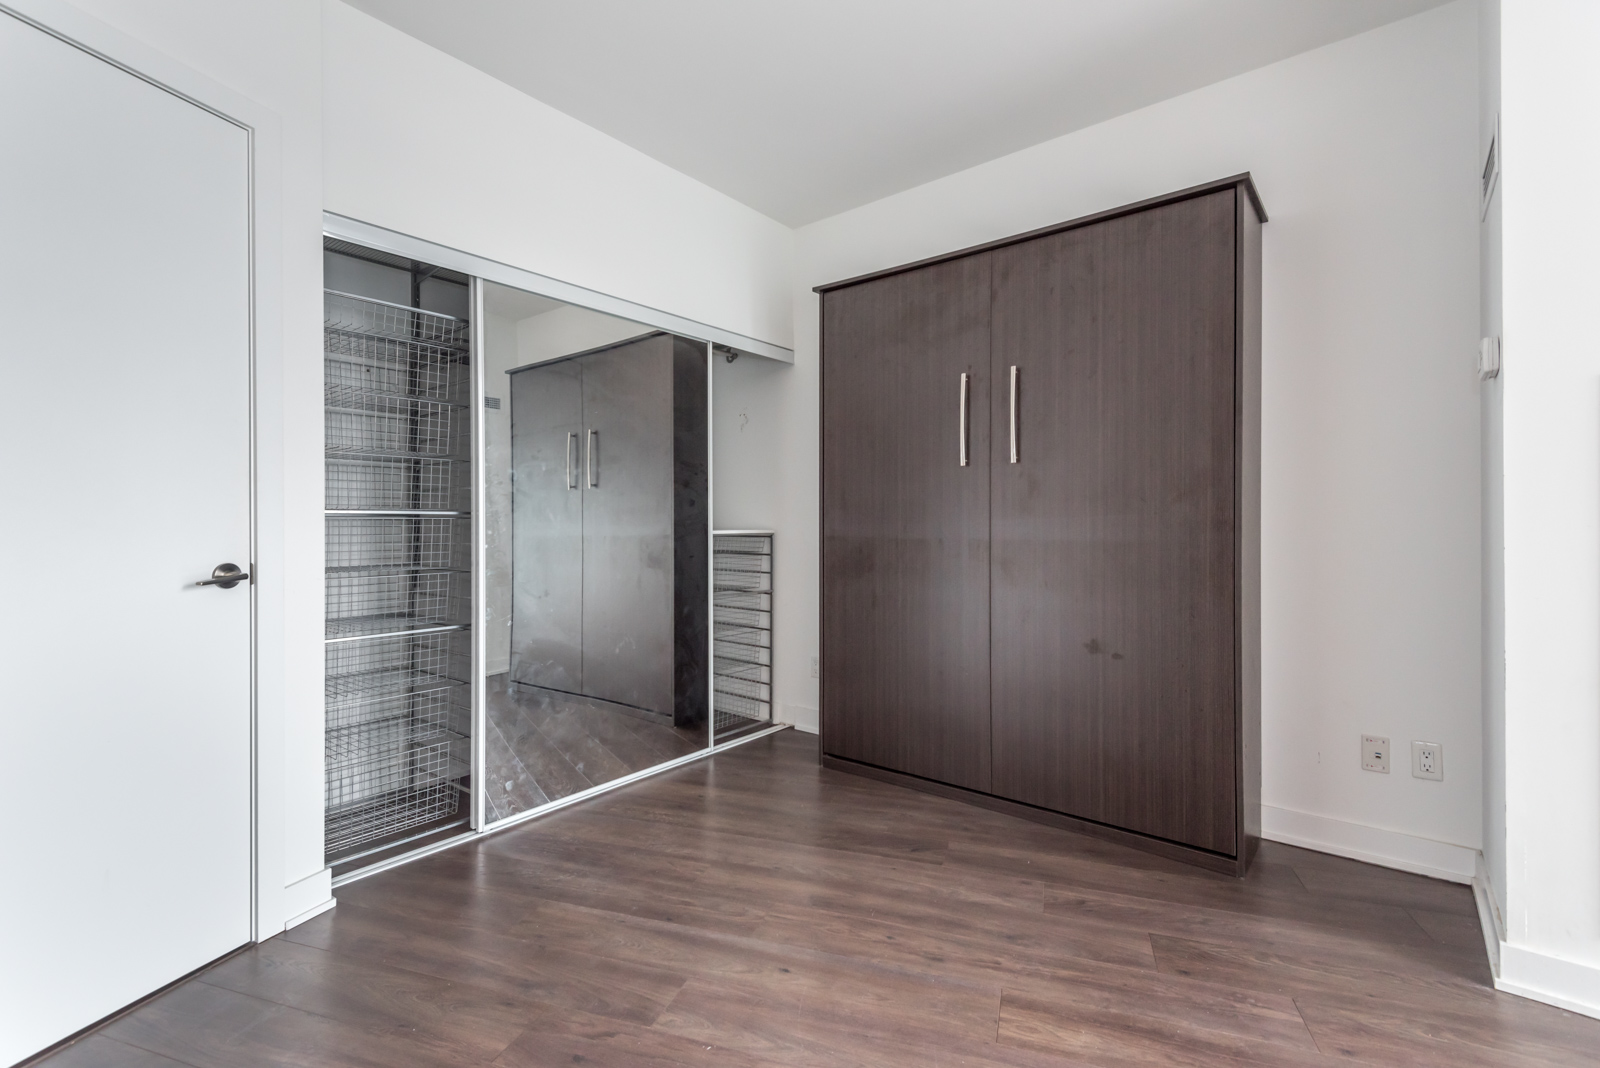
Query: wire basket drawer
point(742, 581)
point(447, 703)
point(392, 665)
point(398, 483)
point(726, 632)
point(743, 707)
point(347, 313)
point(372, 601)
point(741, 562)
point(742, 543)
point(356, 364)
point(750, 600)
point(397, 426)
point(433, 542)
point(380, 784)
point(755, 691)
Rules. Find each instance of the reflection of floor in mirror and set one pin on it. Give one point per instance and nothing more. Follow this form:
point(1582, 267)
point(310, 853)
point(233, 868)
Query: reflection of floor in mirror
point(544, 745)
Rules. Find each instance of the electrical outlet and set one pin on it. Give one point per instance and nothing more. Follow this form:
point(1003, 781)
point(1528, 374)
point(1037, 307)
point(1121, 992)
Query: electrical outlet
point(1375, 753)
point(1427, 760)
point(816, 668)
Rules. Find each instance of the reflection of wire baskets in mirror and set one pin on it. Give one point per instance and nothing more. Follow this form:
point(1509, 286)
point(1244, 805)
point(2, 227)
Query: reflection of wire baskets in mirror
point(379, 484)
point(358, 364)
point(387, 777)
point(380, 424)
point(399, 541)
point(373, 601)
point(359, 315)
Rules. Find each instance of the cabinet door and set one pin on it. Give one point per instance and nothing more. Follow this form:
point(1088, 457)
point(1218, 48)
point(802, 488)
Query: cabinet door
point(547, 526)
point(628, 572)
point(1113, 555)
point(905, 527)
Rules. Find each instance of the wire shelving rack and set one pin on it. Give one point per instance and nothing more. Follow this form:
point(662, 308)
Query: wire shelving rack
point(741, 630)
point(397, 392)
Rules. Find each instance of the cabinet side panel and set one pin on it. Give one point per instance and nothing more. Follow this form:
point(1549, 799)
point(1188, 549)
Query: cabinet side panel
point(905, 567)
point(1249, 273)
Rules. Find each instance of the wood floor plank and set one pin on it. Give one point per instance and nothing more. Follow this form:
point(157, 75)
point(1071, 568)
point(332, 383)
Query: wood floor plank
point(565, 1037)
point(755, 910)
point(1112, 1037)
point(210, 1027)
point(1434, 1040)
point(100, 1051)
point(479, 1021)
point(487, 959)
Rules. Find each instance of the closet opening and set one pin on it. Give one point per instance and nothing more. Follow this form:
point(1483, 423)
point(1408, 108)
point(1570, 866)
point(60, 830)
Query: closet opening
point(526, 602)
point(399, 713)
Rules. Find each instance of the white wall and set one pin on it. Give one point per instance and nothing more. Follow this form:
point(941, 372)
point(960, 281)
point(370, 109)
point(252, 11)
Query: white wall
point(1550, 400)
point(1365, 153)
point(269, 51)
point(471, 163)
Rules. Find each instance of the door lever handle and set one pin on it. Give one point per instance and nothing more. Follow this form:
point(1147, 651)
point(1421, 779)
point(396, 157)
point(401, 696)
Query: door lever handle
point(225, 576)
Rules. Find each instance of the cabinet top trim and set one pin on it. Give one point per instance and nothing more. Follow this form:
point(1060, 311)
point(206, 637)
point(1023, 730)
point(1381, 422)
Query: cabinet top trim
point(1243, 179)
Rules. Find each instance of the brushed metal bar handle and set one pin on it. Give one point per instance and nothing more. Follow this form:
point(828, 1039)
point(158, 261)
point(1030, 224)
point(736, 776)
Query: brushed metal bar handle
point(1015, 455)
point(589, 460)
point(572, 459)
point(965, 386)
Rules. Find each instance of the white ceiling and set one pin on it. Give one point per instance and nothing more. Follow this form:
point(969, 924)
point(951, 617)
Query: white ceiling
point(805, 108)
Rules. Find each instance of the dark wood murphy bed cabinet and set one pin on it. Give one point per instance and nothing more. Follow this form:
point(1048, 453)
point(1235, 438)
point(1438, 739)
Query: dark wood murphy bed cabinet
point(1040, 524)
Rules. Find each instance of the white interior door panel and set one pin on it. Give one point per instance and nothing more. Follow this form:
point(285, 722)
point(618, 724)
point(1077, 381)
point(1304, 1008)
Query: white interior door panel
point(125, 342)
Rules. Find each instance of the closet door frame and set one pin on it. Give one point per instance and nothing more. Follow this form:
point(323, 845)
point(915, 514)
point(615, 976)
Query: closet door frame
point(731, 344)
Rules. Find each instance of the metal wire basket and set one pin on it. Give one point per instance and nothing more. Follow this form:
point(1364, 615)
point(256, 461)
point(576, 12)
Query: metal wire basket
point(383, 781)
point(381, 484)
point(396, 664)
point(345, 312)
point(359, 363)
point(433, 542)
point(375, 601)
point(397, 426)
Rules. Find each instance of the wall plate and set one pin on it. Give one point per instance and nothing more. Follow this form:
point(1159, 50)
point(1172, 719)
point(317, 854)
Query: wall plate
point(1375, 753)
point(1427, 760)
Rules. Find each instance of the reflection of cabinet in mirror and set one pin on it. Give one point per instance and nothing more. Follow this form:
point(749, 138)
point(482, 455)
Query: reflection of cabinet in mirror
point(609, 513)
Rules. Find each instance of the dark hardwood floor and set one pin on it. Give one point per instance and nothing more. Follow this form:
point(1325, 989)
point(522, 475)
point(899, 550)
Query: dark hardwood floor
point(755, 910)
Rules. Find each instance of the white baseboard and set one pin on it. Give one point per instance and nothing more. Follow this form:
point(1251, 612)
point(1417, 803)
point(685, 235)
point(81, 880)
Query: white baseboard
point(1373, 845)
point(308, 897)
point(1566, 984)
point(802, 718)
point(1489, 915)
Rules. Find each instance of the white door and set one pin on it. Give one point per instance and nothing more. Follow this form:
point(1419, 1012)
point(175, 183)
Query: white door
point(125, 794)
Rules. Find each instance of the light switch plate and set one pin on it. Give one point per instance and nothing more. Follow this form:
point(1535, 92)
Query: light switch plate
point(1375, 753)
point(1427, 760)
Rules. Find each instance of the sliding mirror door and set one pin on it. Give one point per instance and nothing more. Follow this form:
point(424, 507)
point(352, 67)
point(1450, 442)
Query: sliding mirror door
point(597, 549)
